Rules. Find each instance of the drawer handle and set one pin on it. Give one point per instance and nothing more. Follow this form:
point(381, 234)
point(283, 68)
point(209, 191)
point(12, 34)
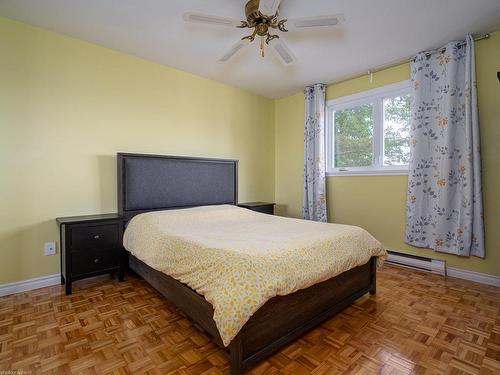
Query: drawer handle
point(96, 260)
point(96, 237)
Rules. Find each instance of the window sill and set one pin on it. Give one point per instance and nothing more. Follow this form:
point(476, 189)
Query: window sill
point(369, 172)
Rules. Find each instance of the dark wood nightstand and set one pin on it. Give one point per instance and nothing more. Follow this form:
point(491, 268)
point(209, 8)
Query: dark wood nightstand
point(90, 246)
point(264, 207)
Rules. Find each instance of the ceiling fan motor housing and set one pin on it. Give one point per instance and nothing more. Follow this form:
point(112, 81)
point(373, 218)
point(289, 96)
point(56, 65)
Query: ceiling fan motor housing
point(252, 11)
point(256, 19)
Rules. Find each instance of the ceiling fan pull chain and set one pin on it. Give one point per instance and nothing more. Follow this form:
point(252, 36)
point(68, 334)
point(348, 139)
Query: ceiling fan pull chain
point(262, 45)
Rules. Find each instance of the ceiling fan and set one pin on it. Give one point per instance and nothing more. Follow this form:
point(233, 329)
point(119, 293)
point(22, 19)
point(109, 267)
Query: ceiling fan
point(263, 17)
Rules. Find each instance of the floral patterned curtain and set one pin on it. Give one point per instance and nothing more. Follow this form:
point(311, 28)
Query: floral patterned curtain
point(314, 154)
point(444, 208)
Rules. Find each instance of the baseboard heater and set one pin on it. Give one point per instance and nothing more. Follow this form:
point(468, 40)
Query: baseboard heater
point(416, 262)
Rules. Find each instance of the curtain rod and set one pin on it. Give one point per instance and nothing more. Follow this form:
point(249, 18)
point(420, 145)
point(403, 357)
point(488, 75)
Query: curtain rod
point(459, 43)
point(392, 64)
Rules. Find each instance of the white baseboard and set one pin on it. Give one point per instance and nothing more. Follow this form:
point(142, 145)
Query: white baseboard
point(41, 282)
point(478, 277)
point(30, 284)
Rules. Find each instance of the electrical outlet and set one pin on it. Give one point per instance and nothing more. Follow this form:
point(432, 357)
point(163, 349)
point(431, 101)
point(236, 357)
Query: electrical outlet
point(50, 248)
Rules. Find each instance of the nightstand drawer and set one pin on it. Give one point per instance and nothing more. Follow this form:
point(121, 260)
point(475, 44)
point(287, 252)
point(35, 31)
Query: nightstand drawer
point(94, 237)
point(90, 245)
point(93, 260)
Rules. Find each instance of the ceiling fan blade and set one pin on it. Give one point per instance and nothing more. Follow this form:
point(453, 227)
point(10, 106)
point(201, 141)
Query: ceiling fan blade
point(312, 22)
point(211, 20)
point(269, 7)
point(282, 52)
point(234, 50)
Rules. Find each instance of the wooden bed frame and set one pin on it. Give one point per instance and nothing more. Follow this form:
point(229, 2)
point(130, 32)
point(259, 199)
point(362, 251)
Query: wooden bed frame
point(278, 322)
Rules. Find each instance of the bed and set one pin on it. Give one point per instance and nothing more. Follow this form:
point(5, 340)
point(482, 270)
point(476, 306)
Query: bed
point(187, 206)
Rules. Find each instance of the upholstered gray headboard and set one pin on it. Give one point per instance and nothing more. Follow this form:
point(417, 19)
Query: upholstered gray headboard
point(156, 182)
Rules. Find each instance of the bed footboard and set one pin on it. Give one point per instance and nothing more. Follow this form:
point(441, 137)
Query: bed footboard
point(285, 318)
point(281, 320)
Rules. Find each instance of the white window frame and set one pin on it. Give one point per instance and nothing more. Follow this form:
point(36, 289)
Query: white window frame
point(375, 96)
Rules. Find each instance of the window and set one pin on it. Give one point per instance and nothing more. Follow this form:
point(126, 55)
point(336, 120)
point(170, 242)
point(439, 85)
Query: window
point(368, 133)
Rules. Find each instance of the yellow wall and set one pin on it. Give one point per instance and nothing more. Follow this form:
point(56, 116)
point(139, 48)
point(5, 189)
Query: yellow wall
point(378, 203)
point(67, 107)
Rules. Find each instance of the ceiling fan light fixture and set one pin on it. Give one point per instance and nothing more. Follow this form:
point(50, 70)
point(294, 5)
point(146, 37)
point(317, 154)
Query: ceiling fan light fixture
point(263, 20)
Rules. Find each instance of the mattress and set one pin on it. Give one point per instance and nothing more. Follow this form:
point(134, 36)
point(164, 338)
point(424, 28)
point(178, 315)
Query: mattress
point(238, 259)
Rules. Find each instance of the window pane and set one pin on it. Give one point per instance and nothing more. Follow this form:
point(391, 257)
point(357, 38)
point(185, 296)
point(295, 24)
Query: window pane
point(397, 130)
point(353, 132)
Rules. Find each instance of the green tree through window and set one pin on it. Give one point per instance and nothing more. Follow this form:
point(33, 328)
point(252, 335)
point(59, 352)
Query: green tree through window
point(371, 133)
point(397, 130)
point(354, 137)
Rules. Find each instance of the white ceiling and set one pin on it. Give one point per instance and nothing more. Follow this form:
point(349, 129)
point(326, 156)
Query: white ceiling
point(376, 32)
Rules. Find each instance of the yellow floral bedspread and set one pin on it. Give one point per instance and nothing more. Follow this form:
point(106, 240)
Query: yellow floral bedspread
point(239, 259)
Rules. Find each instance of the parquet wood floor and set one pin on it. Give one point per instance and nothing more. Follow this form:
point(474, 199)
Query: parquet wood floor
point(418, 323)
